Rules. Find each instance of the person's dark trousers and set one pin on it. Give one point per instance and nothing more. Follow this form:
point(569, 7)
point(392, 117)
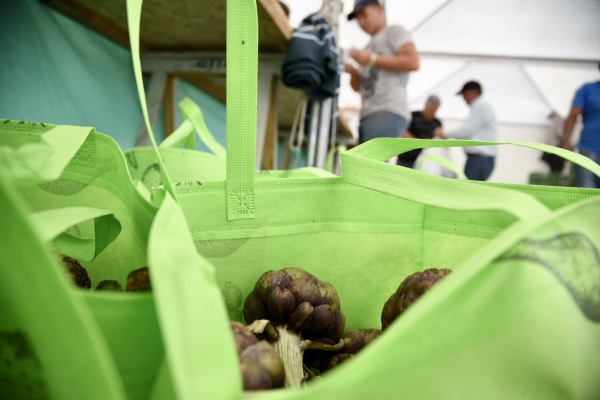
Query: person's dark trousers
point(478, 167)
point(584, 177)
point(406, 163)
point(381, 124)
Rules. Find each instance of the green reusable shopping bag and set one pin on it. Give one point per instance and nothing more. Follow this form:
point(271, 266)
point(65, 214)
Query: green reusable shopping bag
point(79, 167)
point(184, 164)
point(518, 317)
point(188, 164)
point(125, 347)
point(42, 323)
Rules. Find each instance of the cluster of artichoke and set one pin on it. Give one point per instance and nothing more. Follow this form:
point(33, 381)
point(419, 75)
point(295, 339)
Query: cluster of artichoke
point(354, 341)
point(307, 325)
point(137, 280)
point(260, 364)
point(413, 287)
point(303, 310)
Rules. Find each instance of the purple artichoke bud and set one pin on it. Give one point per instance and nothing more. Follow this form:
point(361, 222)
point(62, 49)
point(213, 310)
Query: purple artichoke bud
point(336, 327)
point(243, 337)
point(109, 286)
point(329, 362)
point(329, 295)
point(304, 289)
point(408, 292)
point(254, 309)
point(321, 320)
point(300, 306)
point(254, 376)
point(266, 283)
point(357, 339)
point(269, 361)
point(300, 319)
point(298, 273)
point(139, 280)
point(77, 272)
point(280, 304)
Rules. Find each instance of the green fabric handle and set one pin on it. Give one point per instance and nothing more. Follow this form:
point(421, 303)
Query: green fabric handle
point(363, 166)
point(192, 313)
point(242, 89)
point(52, 224)
point(193, 123)
point(134, 13)
point(442, 161)
point(44, 161)
point(37, 298)
point(385, 148)
point(242, 83)
point(183, 136)
point(191, 112)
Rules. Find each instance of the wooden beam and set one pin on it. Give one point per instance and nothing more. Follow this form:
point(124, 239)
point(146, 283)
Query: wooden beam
point(281, 32)
point(268, 157)
point(205, 84)
point(154, 99)
point(169, 105)
point(87, 16)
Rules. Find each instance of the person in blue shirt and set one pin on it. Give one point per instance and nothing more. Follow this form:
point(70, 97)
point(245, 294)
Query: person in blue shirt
point(587, 104)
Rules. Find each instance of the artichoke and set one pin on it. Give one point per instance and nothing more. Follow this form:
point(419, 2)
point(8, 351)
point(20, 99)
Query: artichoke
point(139, 280)
point(260, 364)
point(408, 292)
point(302, 308)
point(77, 272)
point(109, 285)
point(354, 341)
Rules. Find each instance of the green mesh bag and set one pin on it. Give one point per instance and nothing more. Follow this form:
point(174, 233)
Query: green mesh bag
point(518, 318)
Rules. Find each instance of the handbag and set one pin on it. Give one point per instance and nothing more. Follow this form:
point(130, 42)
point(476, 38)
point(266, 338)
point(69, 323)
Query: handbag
point(518, 317)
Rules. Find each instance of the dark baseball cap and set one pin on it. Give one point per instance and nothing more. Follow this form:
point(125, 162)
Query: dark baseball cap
point(359, 5)
point(470, 86)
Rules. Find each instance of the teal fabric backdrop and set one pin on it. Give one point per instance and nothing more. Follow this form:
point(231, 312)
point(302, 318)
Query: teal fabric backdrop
point(55, 70)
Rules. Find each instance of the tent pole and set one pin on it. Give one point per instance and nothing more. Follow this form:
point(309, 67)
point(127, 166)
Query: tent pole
point(430, 15)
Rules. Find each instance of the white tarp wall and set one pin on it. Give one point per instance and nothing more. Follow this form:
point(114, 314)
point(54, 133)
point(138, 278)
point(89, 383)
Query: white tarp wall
point(529, 55)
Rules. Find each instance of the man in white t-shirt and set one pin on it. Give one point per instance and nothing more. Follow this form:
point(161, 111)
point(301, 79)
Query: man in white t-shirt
point(382, 73)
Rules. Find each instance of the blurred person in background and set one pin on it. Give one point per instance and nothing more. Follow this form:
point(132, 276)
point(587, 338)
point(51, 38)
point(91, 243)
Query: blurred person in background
point(381, 73)
point(587, 104)
point(423, 125)
point(481, 125)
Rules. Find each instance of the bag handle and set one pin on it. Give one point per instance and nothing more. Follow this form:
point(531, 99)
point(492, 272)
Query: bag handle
point(192, 314)
point(242, 84)
point(193, 123)
point(134, 12)
point(49, 312)
point(44, 161)
point(442, 162)
point(363, 166)
point(242, 87)
point(52, 224)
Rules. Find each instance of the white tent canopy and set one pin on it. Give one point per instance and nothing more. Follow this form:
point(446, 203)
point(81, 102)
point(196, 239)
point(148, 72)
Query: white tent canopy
point(529, 55)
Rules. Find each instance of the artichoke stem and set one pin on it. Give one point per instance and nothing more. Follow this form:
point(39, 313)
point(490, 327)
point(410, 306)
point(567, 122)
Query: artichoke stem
point(288, 347)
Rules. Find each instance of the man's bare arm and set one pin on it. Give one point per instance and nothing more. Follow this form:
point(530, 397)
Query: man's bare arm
point(406, 59)
point(354, 78)
point(568, 127)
